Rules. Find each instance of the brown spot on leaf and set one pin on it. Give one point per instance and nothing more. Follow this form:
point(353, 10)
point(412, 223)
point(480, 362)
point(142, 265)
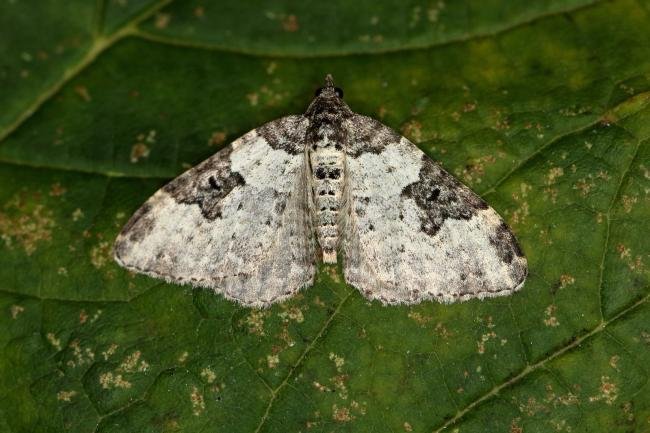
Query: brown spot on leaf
point(290, 23)
point(82, 92)
point(162, 20)
point(217, 138)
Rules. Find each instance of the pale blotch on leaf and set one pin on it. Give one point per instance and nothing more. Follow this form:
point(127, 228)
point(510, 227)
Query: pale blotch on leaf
point(566, 280)
point(81, 356)
point(271, 67)
point(55, 342)
point(553, 174)
point(560, 425)
point(139, 151)
point(16, 310)
point(407, 427)
point(141, 148)
point(83, 317)
point(272, 361)
point(433, 12)
point(320, 387)
point(65, 395)
point(333, 274)
point(549, 316)
point(26, 223)
point(293, 313)
point(133, 363)
point(109, 380)
point(412, 130)
point(339, 361)
point(473, 171)
point(377, 38)
point(416, 14)
point(645, 170)
point(110, 351)
point(613, 361)
point(628, 202)
point(341, 414)
point(346, 414)
point(77, 214)
point(208, 375)
point(419, 318)
point(556, 400)
point(490, 335)
point(550, 191)
point(532, 406)
point(100, 254)
point(608, 391)
point(633, 263)
point(183, 357)
point(266, 95)
point(585, 185)
point(199, 12)
point(628, 410)
point(198, 403)
point(339, 382)
point(501, 121)
point(253, 99)
point(520, 214)
point(255, 322)
point(442, 331)
point(515, 427)
point(63, 271)
point(96, 316)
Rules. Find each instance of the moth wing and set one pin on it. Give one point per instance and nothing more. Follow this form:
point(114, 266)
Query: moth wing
point(237, 223)
point(413, 232)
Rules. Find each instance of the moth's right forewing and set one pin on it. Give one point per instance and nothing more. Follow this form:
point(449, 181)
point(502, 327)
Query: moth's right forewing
point(414, 232)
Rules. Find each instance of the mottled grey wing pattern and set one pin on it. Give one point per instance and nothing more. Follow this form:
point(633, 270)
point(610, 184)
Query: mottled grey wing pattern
point(237, 223)
point(413, 232)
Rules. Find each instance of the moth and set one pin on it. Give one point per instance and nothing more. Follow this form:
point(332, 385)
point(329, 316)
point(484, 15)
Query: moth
point(252, 221)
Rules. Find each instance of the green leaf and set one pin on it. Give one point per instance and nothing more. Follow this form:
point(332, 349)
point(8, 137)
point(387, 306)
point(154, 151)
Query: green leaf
point(541, 107)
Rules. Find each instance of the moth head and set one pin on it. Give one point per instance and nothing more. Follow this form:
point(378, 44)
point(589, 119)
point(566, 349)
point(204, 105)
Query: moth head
point(328, 102)
point(329, 89)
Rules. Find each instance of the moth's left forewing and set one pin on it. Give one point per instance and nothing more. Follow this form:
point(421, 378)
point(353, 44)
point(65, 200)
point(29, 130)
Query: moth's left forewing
point(237, 222)
point(414, 232)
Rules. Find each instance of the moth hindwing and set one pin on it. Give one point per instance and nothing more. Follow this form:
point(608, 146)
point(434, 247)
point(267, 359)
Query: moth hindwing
point(251, 221)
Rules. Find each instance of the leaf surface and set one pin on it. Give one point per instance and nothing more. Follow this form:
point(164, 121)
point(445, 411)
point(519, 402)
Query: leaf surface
point(541, 108)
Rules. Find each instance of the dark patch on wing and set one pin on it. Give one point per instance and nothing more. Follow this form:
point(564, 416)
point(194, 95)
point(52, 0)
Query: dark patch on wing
point(505, 243)
point(368, 135)
point(139, 224)
point(206, 184)
point(441, 196)
point(136, 229)
point(508, 248)
point(287, 133)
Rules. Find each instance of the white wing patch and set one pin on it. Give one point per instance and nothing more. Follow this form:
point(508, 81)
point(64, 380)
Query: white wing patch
point(413, 232)
point(237, 223)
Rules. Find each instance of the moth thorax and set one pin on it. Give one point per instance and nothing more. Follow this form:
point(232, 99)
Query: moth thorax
point(327, 178)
